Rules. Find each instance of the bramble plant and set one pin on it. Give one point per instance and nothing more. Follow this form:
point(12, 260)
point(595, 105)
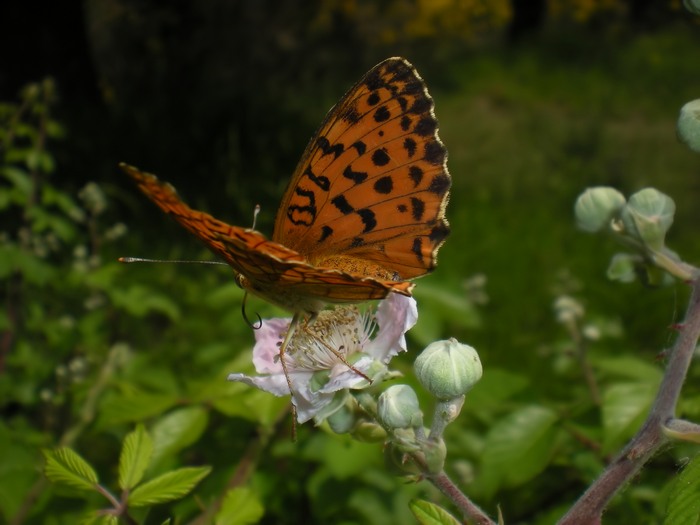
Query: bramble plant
point(96, 431)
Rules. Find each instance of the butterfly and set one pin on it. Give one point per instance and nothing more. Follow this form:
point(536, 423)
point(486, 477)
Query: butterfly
point(363, 213)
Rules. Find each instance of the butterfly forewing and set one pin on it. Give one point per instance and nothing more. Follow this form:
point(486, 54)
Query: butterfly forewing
point(207, 228)
point(373, 182)
point(268, 269)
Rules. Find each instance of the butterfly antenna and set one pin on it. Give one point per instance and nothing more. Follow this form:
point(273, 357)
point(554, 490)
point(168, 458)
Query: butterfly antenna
point(139, 259)
point(256, 212)
point(254, 326)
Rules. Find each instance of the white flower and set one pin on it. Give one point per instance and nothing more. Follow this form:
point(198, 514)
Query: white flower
point(318, 355)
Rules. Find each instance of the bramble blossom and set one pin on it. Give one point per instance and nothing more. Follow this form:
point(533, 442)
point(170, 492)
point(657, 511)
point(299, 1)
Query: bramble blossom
point(319, 353)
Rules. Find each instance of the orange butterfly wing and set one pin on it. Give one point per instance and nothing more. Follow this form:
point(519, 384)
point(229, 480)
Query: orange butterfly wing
point(276, 273)
point(365, 209)
point(372, 186)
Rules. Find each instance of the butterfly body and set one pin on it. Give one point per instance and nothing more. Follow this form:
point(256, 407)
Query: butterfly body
point(363, 213)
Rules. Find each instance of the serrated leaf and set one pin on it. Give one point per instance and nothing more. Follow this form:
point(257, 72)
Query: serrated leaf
point(240, 506)
point(135, 457)
point(430, 514)
point(684, 496)
point(177, 430)
point(65, 466)
point(170, 486)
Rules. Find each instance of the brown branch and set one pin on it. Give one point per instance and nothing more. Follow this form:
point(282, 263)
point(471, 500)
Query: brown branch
point(590, 506)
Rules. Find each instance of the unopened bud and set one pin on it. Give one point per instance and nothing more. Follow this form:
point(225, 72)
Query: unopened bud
point(448, 369)
point(398, 407)
point(689, 120)
point(596, 207)
point(648, 216)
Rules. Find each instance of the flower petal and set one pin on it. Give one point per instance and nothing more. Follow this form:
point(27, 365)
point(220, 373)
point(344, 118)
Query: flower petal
point(266, 350)
point(274, 384)
point(395, 316)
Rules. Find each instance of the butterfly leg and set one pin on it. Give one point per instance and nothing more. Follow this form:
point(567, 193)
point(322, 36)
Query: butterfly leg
point(296, 319)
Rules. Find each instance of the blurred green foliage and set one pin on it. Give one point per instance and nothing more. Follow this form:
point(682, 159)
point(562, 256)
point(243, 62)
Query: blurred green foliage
point(89, 348)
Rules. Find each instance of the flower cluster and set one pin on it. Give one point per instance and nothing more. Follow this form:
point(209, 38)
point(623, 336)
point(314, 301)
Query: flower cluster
point(342, 349)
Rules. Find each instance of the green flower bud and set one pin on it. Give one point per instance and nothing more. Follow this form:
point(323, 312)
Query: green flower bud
point(448, 369)
point(689, 120)
point(398, 407)
point(595, 207)
point(693, 6)
point(648, 215)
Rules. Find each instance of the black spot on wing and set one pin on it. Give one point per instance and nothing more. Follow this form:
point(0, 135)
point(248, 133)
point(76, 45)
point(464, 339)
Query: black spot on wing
point(380, 157)
point(384, 185)
point(360, 146)
point(426, 126)
point(417, 249)
point(440, 184)
point(369, 219)
point(416, 175)
point(373, 98)
point(326, 231)
point(435, 153)
point(321, 180)
point(410, 146)
point(336, 150)
point(417, 208)
point(341, 203)
point(382, 114)
point(355, 176)
point(439, 232)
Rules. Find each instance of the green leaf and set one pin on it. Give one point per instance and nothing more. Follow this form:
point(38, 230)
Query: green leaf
point(64, 466)
point(625, 405)
point(684, 496)
point(430, 514)
point(136, 454)
point(94, 518)
point(240, 506)
point(134, 406)
point(518, 448)
point(177, 430)
point(170, 486)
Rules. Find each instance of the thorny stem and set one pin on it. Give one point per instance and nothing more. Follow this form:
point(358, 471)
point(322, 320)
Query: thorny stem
point(471, 512)
point(589, 508)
